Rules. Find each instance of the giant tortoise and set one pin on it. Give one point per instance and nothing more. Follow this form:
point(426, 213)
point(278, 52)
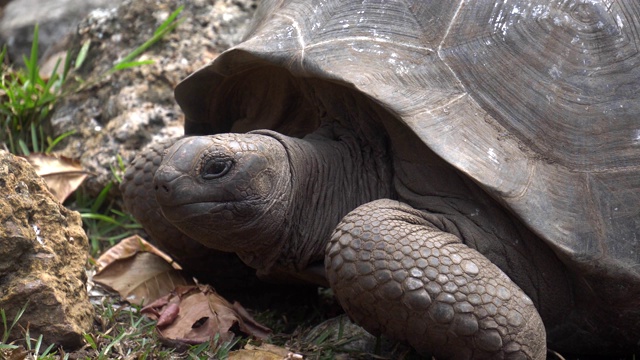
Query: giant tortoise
point(464, 175)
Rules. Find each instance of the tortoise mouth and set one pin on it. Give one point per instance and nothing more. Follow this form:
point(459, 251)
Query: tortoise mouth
point(184, 212)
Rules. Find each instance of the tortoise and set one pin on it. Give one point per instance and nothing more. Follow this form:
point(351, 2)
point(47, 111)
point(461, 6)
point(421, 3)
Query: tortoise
point(464, 175)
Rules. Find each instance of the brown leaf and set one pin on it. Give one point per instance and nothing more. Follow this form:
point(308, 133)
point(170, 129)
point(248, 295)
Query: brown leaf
point(141, 278)
point(263, 352)
point(153, 309)
point(169, 315)
point(248, 324)
point(129, 247)
point(195, 323)
point(201, 315)
point(62, 175)
point(19, 353)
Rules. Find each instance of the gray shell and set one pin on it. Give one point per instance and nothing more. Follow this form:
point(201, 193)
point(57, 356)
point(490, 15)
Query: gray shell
point(537, 101)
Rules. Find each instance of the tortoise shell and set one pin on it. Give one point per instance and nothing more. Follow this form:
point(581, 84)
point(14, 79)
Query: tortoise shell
point(538, 102)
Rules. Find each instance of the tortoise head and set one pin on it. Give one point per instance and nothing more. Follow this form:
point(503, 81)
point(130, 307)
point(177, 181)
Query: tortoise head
point(227, 191)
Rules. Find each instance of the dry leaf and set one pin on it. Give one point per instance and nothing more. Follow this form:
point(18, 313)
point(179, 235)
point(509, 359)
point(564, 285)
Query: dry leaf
point(129, 247)
point(137, 272)
point(202, 314)
point(62, 175)
point(263, 352)
point(169, 315)
point(19, 353)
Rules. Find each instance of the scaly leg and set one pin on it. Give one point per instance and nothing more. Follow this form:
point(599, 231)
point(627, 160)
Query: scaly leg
point(397, 273)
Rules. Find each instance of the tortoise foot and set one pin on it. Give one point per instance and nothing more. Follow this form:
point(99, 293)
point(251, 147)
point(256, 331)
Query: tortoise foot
point(397, 273)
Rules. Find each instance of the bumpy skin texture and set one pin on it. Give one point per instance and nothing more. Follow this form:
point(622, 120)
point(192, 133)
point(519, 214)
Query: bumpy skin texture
point(396, 273)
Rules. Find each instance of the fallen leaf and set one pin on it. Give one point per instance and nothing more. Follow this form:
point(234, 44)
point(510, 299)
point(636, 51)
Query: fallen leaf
point(249, 325)
point(138, 271)
point(18, 353)
point(169, 315)
point(62, 175)
point(130, 247)
point(263, 352)
point(201, 315)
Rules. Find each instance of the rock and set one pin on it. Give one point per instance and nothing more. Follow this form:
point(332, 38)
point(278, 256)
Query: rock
point(56, 18)
point(43, 252)
point(122, 112)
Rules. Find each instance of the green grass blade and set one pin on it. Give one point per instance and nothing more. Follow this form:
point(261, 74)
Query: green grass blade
point(82, 55)
point(97, 204)
point(32, 63)
point(67, 67)
point(3, 54)
point(55, 141)
point(118, 339)
point(36, 349)
point(100, 217)
point(53, 78)
point(34, 137)
point(23, 147)
point(47, 350)
point(165, 24)
point(168, 25)
point(91, 341)
point(130, 64)
point(5, 334)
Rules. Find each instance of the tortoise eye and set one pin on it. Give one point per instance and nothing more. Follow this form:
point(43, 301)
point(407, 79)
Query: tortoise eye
point(216, 168)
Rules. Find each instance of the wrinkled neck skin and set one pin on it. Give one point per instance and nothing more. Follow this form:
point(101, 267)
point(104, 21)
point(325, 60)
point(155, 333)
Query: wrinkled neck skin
point(331, 174)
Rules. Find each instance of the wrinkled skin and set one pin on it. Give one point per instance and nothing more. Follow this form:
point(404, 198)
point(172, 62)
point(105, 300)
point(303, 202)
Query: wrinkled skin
point(433, 276)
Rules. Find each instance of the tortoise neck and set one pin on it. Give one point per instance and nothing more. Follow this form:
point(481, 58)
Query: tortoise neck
point(330, 176)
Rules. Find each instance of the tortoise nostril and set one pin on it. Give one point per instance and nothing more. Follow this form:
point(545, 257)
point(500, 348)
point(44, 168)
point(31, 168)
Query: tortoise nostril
point(163, 183)
point(164, 187)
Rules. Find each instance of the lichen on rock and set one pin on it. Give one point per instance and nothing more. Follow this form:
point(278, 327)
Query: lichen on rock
point(43, 252)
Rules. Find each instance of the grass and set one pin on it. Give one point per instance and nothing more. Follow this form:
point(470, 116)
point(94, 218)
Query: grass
point(104, 222)
point(120, 332)
point(28, 98)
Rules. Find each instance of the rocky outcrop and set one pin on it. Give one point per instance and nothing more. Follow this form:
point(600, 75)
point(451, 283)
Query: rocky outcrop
point(43, 251)
point(124, 111)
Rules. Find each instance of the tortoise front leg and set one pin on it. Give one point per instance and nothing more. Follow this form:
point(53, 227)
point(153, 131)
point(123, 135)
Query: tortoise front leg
point(397, 274)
